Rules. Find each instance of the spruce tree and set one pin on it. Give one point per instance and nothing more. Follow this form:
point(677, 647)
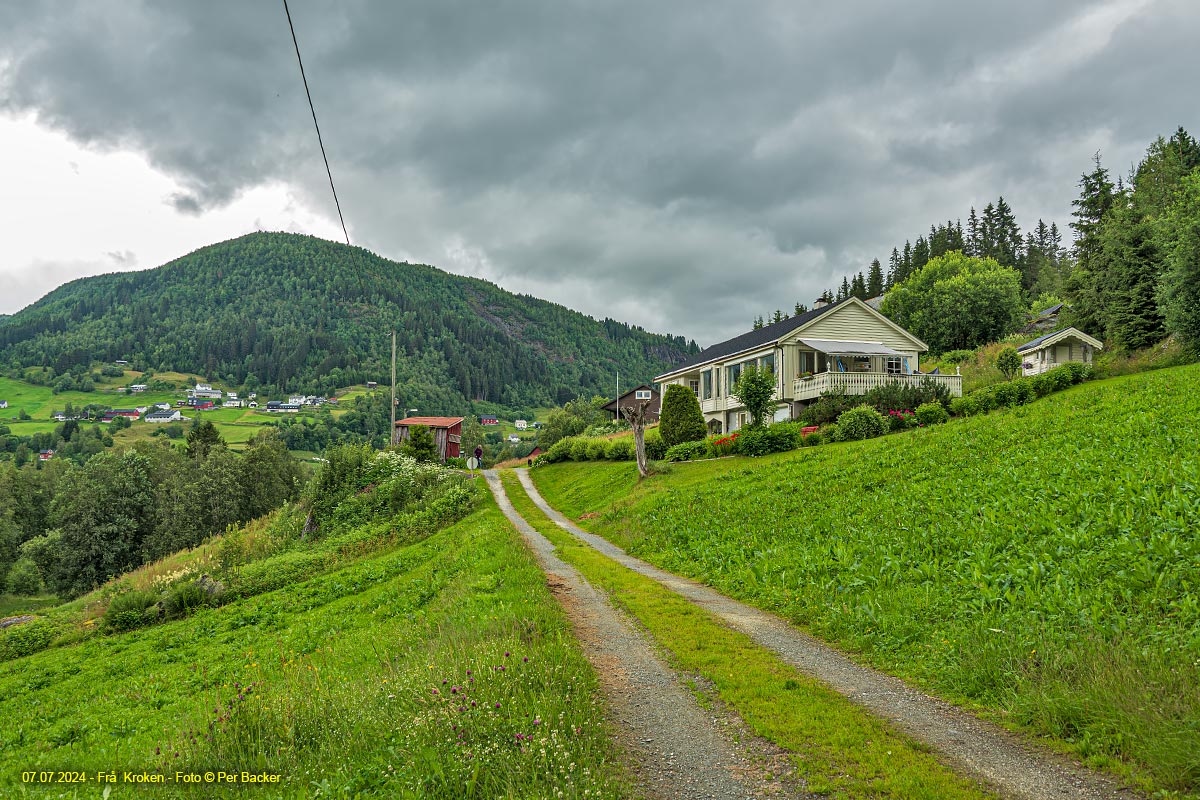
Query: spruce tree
point(875, 279)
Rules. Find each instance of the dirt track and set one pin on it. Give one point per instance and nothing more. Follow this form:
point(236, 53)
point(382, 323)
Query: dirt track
point(974, 747)
point(678, 750)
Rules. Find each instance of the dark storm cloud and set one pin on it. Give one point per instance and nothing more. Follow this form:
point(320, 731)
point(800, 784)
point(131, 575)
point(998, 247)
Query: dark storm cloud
point(685, 166)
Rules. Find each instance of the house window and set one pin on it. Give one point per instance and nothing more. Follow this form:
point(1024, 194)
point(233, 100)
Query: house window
point(695, 387)
point(767, 362)
point(731, 375)
point(808, 362)
point(706, 379)
point(641, 394)
point(893, 365)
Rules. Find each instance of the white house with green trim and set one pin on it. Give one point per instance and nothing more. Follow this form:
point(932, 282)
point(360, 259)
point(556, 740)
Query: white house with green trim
point(846, 345)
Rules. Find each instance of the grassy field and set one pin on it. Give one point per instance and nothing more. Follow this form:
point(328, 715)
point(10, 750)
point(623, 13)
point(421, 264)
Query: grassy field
point(442, 669)
point(1041, 563)
point(838, 748)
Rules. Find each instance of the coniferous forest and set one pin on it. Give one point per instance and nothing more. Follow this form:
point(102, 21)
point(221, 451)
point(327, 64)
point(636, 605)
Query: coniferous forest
point(279, 312)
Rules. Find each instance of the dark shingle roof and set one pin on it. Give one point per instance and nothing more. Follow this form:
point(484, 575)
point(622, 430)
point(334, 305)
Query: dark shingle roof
point(747, 341)
point(1037, 341)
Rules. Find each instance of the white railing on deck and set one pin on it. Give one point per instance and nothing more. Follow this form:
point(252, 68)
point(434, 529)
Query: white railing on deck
point(863, 382)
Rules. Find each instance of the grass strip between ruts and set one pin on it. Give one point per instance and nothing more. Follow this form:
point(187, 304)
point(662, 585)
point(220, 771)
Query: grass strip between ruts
point(838, 748)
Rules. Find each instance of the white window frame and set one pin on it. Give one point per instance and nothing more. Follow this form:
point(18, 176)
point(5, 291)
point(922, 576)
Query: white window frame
point(894, 365)
point(642, 394)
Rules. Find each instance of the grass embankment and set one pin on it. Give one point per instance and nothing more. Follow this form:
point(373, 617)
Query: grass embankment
point(1041, 562)
point(838, 748)
point(403, 675)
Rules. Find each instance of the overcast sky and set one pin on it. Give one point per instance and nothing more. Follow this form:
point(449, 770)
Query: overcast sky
point(685, 166)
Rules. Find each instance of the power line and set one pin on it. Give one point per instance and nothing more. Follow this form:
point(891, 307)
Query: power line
point(315, 125)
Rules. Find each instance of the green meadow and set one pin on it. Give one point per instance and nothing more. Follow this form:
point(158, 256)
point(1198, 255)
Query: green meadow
point(439, 669)
point(1041, 564)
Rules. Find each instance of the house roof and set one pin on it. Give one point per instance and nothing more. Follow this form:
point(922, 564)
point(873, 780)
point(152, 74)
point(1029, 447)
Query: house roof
point(749, 341)
point(611, 404)
point(1051, 310)
point(1051, 338)
point(430, 422)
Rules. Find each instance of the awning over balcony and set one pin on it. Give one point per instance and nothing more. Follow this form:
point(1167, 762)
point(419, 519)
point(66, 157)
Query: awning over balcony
point(836, 348)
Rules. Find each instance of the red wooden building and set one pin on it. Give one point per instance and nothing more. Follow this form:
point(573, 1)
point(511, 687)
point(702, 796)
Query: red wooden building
point(447, 433)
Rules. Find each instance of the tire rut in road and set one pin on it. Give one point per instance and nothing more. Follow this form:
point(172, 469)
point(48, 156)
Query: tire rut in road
point(678, 749)
point(967, 743)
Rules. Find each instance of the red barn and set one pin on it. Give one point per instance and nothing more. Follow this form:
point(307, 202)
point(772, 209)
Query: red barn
point(447, 433)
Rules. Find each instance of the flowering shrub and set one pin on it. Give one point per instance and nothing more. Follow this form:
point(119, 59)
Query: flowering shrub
point(901, 420)
point(719, 446)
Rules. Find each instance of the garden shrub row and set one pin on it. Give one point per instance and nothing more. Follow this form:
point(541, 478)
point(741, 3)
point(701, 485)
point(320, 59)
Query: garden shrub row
point(1020, 391)
point(841, 418)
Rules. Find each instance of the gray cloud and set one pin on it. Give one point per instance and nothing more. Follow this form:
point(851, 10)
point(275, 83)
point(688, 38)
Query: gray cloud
point(684, 166)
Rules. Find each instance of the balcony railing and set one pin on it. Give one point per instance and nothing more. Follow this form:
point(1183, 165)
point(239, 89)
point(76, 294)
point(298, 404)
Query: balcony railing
point(862, 382)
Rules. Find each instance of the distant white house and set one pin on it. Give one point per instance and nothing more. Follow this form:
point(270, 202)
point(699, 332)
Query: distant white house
point(3, 404)
point(137, 388)
point(521, 424)
point(233, 402)
point(162, 406)
point(231, 395)
point(171, 415)
point(253, 403)
point(120, 362)
point(205, 390)
point(513, 438)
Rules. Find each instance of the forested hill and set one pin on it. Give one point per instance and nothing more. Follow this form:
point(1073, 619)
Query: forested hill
point(284, 312)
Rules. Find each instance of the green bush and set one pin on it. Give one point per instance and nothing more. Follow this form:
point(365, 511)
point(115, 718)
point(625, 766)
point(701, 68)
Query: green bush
point(597, 449)
point(931, 414)
point(130, 610)
point(899, 396)
point(579, 449)
point(811, 440)
point(656, 448)
point(957, 356)
point(559, 451)
point(24, 577)
point(1042, 384)
point(863, 422)
point(965, 406)
point(687, 451)
point(620, 449)
point(27, 638)
point(1079, 372)
point(828, 407)
point(764, 441)
point(681, 419)
point(183, 598)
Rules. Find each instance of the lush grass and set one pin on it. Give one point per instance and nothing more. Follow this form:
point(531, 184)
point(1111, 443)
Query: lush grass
point(342, 684)
point(12, 604)
point(1042, 562)
point(839, 748)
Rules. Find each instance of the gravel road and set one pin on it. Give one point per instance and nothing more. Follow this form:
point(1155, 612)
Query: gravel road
point(1015, 768)
point(679, 751)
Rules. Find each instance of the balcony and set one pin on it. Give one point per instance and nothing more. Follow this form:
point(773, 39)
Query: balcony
point(812, 387)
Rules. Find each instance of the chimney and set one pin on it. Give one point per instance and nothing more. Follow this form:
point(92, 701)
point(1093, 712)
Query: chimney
point(820, 302)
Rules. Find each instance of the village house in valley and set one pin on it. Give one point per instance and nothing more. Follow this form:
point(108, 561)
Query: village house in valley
point(846, 346)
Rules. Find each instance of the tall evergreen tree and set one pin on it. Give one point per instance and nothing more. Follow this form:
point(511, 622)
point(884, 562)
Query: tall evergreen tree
point(920, 254)
point(894, 276)
point(844, 289)
point(972, 243)
point(875, 279)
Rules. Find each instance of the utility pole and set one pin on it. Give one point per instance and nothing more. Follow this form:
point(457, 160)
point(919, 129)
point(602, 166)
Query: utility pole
point(618, 400)
point(392, 430)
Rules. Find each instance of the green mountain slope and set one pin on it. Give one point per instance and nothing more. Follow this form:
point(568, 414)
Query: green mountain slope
point(295, 313)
